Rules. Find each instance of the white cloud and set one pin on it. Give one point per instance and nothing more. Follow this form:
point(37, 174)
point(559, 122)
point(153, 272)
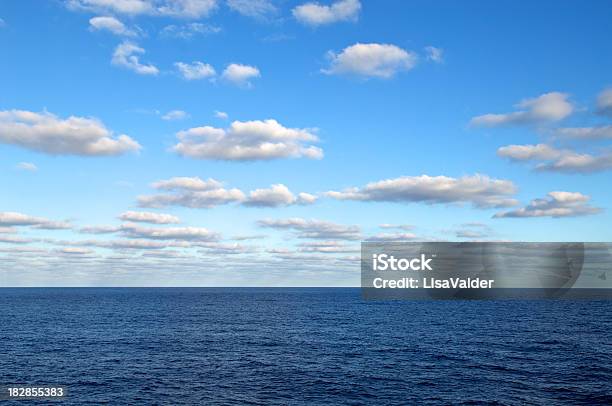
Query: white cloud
point(14, 219)
point(111, 24)
point(171, 8)
point(221, 115)
point(249, 140)
point(555, 204)
point(434, 54)
point(314, 229)
point(171, 233)
point(528, 152)
point(480, 190)
point(45, 132)
point(259, 9)
point(371, 60)
point(175, 115)
point(604, 102)
point(585, 133)
point(276, 196)
point(195, 71)
point(193, 183)
point(148, 217)
point(316, 14)
point(104, 229)
point(557, 160)
point(197, 193)
point(405, 227)
point(549, 107)
point(188, 31)
point(240, 75)
point(126, 55)
point(27, 166)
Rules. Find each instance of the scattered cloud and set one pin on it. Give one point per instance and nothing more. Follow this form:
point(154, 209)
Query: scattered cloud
point(148, 217)
point(604, 102)
point(314, 229)
point(258, 9)
point(195, 71)
point(198, 193)
point(240, 75)
point(14, 219)
point(557, 160)
point(315, 14)
point(555, 204)
point(434, 54)
point(126, 55)
point(471, 234)
point(27, 166)
point(170, 233)
point(221, 115)
point(170, 8)
point(480, 190)
point(45, 132)
point(549, 107)
point(175, 115)
point(193, 183)
point(276, 196)
point(112, 25)
point(188, 31)
point(371, 60)
point(248, 141)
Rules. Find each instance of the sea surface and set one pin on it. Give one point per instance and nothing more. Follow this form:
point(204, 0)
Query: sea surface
point(280, 346)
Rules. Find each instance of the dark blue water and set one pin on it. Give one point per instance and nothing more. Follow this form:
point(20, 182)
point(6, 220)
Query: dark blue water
point(302, 346)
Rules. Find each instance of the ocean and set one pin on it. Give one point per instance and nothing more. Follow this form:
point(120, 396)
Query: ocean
point(302, 346)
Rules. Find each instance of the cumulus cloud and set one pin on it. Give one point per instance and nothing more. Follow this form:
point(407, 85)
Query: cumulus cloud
point(170, 8)
point(126, 55)
point(528, 152)
point(27, 166)
point(549, 107)
point(557, 160)
point(248, 141)
point(15, 219)
point(175, 115)
point(148, 217)
point(314, 229)
point(188, 31)
point(604, 102)
point(405, 227)
point(434, 54)
point(585, 133)
point(316, 14)
point(258, 9)
point(110, 24)
point(45, 132)
point(276, 196)
point(195, 71)
point(555, 204)
point(240, 75)
point(170, 233)
point(479, 190)
point(197, 193)
point(371, 60)
point(193, 183)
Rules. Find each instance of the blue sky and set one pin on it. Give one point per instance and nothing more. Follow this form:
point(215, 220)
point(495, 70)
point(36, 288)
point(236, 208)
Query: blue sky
point(480, 120)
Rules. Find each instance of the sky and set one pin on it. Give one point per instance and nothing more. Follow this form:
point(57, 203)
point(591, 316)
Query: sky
point(258, 143)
